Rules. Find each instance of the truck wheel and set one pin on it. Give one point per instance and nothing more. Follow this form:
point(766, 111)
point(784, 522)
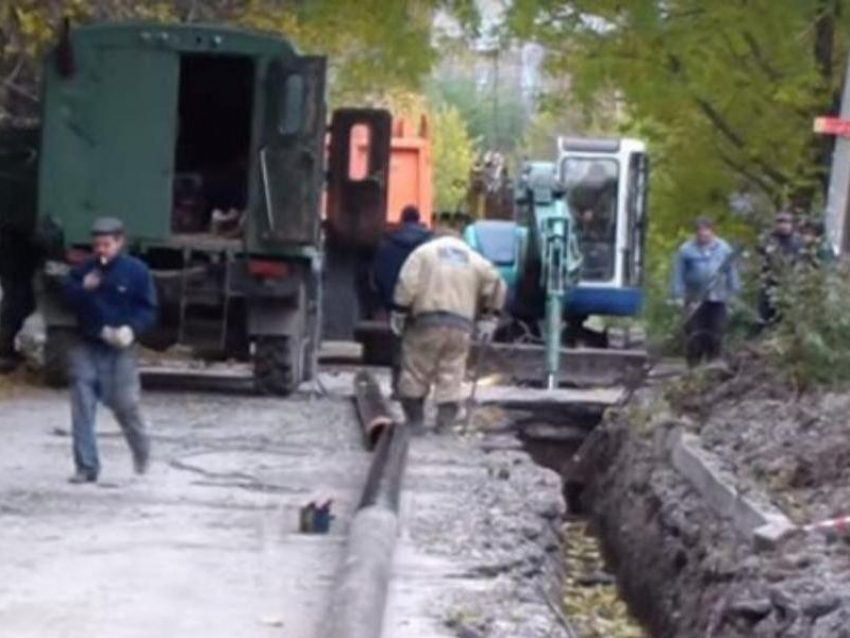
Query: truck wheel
point(274, 365)
point(57, 345)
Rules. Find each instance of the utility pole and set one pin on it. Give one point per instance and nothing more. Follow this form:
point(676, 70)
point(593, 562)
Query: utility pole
point(837, 216)
point(495, 141)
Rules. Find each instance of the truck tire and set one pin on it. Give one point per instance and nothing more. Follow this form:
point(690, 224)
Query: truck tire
point(58, 343)
point(275, 369)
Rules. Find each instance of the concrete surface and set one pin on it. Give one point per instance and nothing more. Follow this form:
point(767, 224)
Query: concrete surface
point(479, 546)
point(751, 514)
point(205, 545)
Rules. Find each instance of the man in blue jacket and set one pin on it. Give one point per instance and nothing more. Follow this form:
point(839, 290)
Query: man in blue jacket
point(705, 278)
point(114, 300)
point(390, 257)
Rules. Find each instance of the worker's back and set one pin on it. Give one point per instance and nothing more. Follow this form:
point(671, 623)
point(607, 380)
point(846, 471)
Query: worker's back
point(447, 276)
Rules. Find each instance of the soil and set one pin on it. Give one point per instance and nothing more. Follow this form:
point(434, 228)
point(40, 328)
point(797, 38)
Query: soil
point(795, 448)
point(685, 571)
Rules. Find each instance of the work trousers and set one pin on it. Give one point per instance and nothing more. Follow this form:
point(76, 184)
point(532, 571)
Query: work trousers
point(768, 312)
point(433, 357)
point(705, 331)
point(101, 373)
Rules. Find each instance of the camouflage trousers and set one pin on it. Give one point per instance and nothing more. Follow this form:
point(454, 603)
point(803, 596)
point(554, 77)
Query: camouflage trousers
point(433, 357)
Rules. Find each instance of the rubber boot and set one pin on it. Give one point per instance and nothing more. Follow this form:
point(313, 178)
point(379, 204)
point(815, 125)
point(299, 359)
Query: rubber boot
point(414, 413)
point(446, 415)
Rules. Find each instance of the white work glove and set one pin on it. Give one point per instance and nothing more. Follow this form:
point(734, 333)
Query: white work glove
point(119, 338)
point(107, 335)
point(92, 281)
point(398, 320)
point(485, 329)
point(124, 337)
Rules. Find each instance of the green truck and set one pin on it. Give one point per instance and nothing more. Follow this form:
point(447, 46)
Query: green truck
point(210, 143)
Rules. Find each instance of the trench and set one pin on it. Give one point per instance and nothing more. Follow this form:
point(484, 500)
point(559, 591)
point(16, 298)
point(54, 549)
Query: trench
point(592, 602)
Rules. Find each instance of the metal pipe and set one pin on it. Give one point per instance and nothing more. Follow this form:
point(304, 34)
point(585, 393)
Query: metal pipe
point(360, 589)
point(372, 408)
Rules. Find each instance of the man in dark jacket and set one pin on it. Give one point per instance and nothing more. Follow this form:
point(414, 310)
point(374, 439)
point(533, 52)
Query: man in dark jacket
point(393, 252)
point(391, 255)
point(114, 299)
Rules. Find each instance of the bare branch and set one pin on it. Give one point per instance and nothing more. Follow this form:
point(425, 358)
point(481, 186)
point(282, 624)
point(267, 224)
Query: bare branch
point(726, 130)
point(758, 57)
point(745, 172)
point(719, 122)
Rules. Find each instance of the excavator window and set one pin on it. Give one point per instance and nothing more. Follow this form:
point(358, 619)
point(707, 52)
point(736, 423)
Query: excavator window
point(591, 186)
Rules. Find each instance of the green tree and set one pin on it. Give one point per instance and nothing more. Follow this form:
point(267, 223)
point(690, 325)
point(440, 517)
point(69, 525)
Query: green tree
point(493, 109)
point(372, 45)
point(453, 148)
point(726, 91)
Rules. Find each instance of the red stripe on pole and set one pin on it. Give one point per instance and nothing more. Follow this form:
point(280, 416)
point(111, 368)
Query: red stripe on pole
point(832, 126)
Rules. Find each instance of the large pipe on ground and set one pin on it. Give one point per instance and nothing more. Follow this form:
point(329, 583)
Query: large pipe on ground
point(372, 408)
point(360, 590)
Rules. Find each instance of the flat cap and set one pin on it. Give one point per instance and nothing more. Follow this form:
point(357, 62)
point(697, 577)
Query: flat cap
point(107, 226)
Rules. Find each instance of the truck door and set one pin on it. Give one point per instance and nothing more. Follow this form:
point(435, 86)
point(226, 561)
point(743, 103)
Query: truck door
point(108, 142)
point(359, 164)
point(291, 160)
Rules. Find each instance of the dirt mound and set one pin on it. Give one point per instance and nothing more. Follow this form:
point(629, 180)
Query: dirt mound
point(795, 447)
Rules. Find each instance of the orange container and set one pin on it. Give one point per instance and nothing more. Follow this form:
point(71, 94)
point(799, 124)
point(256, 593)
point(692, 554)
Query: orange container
point(411, 178)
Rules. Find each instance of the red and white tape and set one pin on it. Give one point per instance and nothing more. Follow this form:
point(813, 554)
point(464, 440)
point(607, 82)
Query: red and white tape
point(840, 525)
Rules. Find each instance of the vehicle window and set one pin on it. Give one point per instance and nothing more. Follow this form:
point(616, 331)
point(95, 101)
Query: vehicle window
point(359, 152)
point(591, 186)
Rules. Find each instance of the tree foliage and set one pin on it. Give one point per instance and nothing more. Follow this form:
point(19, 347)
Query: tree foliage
point(724, 91)
point(494, 113)
point(453, 148)
point(811, 343)
point(372, 45)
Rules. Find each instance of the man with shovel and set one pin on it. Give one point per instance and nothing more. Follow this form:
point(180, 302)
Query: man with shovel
point(705, 278)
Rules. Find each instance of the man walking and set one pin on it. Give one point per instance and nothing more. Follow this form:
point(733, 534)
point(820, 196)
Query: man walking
point(389, 259)
point(443, 288)
point(114, 300)
point(705, 278)
point(779, 251)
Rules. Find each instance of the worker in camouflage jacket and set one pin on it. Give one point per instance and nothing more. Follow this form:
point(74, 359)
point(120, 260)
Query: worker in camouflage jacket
point(779, 252)
point(445, 292)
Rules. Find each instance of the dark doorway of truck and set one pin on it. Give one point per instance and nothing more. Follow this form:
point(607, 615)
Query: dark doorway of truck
point(215, 106)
